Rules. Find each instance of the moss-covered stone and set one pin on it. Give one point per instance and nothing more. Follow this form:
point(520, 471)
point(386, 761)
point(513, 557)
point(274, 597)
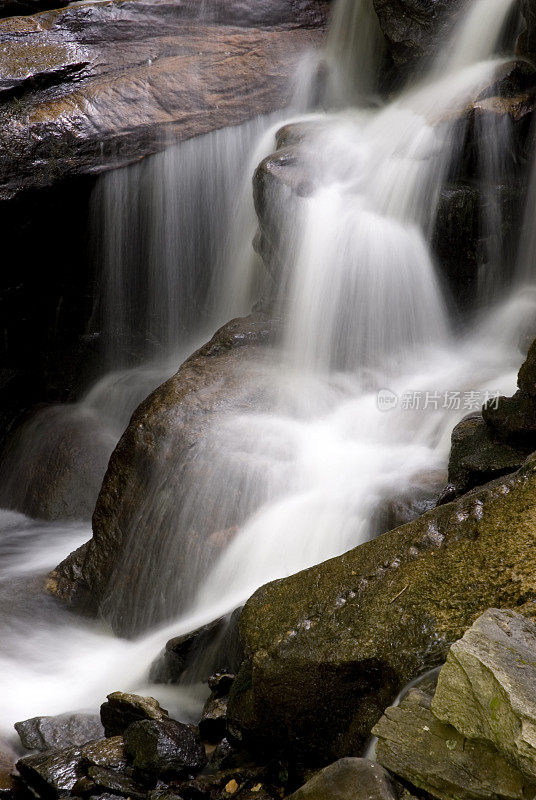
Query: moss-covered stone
point(487, 688)
point(328, 649)
point(435, 757)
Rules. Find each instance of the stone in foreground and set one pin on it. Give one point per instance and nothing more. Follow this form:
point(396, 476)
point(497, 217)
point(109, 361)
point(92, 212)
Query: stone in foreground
point(348, 779)
point(433, 756)
point(350, 633)
point(122, 709)
point(487, 688)
point(163, 747)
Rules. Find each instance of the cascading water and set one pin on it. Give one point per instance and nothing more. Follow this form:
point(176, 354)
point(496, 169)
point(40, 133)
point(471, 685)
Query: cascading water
point(364, 322)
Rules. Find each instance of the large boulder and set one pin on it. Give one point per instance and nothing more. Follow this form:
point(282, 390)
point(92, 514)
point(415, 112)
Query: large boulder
point(487, 688)
point(348, 634)
point(435, 757)
point(95, 86)
point(177, 436)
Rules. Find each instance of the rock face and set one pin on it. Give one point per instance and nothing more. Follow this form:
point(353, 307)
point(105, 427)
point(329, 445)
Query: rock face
point(435, 757)
point(412, 27)
point(167, 444)
point(348, 779)
point(350, 633)
point(487, 688)
point(96, 86)
point(53, 773)
point(56, 733)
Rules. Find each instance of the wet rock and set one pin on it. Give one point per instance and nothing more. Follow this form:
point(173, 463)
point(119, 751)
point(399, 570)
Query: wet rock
point(53, 467)
point(96, 86)
point(349, 779)
point(350, 633)
point(172, 439)
point(412, 28)
point(408, 505)
point(487, 688)
point(214, 647)
point(122, 709)
point(514, 418)
point(163, 747)
point(477, 456)
point(432, 756)
point(109, 753)
point(213, 721)
point(57, 733)
point(110, 781)
point(52, 773)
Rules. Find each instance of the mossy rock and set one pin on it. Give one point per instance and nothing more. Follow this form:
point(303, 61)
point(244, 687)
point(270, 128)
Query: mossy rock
point(329, 648)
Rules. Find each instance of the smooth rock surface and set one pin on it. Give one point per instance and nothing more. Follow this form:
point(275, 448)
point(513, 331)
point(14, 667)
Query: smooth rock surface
point(348, 779)
point(435, 757)
point(161, 449)
point(487, 688)
point(56, 733)
point(348, 634)
point(95, 86)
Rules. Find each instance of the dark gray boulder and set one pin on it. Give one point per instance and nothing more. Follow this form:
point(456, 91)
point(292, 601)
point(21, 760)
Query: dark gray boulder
point(164, 747)
point(52, 773)
point(57, 733)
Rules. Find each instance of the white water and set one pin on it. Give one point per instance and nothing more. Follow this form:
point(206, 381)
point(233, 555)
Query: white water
point(365, 313)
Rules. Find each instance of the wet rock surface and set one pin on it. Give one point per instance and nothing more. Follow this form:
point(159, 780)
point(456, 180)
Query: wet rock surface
point(53, 773)
point(123, 709)
point(514, 418)
point(487, 687)
point(163, 442)
point(477, 456)
point(56, 733)
point(96, 86)
point(350, 633)
point(164, 747)
point(435, 757)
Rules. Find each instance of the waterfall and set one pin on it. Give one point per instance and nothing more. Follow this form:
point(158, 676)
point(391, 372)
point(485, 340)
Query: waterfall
point(365, 319)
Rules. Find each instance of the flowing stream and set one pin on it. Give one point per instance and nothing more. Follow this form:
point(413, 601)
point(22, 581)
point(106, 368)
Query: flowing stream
point(369, 380)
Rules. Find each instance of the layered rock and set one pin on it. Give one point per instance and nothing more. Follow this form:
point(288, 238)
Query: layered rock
point(435, 757)
point(349, 633)
point(96, 86)
point(167, 444)
point(486, 689)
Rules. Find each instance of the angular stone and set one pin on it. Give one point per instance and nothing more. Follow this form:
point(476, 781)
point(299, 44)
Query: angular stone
point(432, 756)
point(165, 746)
point(105, 753)
point(487, 688)
point(116, 782)
point(57, 733)
point(213, 721)
point(348, 779)
point(514, 418)
point(53, 773)
point(122, 709)
point(350, 633)
point(477, 456)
